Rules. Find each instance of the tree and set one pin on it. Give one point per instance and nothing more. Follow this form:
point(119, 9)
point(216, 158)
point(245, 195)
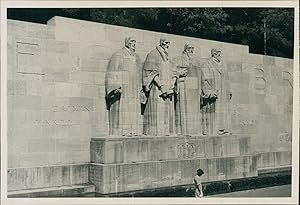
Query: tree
point(277, 27)
point(197, 22)
point(265, 30)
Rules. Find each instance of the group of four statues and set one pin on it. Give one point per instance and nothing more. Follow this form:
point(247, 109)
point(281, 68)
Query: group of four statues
point(166, 97)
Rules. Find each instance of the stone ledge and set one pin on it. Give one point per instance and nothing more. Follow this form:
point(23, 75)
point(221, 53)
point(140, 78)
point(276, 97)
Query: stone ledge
point(118, 149)
point(27, 178)
point(125, 177)
point(274, 159)
point(212, 188)
point(63, 191)
point(118, 137)
point(270, 170)
point(170, 160)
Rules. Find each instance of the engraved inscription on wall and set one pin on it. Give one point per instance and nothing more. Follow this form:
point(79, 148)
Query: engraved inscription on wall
point(285, 137)
point(64, 122)
point(243, 117)
point(28, 58)
point(70, 108)
point(186, 150)
point(260, 83)
point(288, 77)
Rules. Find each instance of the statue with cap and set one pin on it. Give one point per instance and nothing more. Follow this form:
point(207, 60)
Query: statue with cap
point(158, 80)
point(215, 96)
point(122, 87)
point(187, 101)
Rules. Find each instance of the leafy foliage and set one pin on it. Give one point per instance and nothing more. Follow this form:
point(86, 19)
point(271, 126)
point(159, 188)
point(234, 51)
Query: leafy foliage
point(196, 22)
point(246, 26)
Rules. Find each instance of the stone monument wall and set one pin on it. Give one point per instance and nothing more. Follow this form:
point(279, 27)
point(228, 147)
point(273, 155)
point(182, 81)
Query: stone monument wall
point(56, 75)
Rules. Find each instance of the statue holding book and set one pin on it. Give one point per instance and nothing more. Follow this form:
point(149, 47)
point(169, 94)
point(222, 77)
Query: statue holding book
point(187, 101)
point(215, 95)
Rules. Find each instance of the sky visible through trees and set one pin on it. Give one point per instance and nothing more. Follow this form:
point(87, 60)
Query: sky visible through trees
point(267, 31)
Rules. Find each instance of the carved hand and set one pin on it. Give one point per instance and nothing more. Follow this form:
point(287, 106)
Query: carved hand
point(213, 99)
point(119, 90)
point(164, 89)
point(205, 96)
point(182, 72)
point(214, 93)
point(164, 92)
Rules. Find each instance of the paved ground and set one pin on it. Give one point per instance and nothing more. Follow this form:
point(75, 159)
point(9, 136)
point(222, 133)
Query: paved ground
point(276, 191)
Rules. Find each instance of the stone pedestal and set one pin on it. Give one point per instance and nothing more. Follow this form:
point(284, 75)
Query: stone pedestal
point(121, 164)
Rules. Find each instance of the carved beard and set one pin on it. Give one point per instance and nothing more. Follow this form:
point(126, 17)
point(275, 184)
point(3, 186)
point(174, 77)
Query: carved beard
point(132, 50)
point(218, 60)
point(166, 49)
point(189, 54)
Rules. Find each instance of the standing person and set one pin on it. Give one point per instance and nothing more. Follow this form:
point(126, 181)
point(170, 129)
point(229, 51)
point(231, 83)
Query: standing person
point(122, 86)
point(198, 183)
point(157, 93)
point(215, 95)
point(187, 110)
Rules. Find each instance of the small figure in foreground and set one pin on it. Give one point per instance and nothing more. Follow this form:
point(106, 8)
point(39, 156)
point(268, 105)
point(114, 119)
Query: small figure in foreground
point(198, 183)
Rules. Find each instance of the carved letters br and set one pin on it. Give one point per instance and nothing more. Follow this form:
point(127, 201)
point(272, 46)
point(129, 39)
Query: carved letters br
point(287, 76)
point(260, 83)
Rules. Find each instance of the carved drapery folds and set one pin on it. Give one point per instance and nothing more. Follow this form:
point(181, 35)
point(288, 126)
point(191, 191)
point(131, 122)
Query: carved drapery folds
point(122, 90)
point(215, 96)
point(187, 101)
point(158, 87)
point(166, 97)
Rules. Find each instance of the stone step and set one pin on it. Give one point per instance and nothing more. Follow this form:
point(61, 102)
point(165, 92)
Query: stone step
point(274, 159)
point(118, 149)
point(277, 169)
point(61, 191)
point(123, 177)
point(25, 178)
point(213, 188)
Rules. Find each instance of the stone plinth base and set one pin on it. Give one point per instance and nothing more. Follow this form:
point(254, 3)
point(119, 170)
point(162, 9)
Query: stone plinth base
point(116, 149)
point(46, 177)
point(115, 178)
point(122, 164)
point(274, 159)
point(211, 188)
point(61, 191)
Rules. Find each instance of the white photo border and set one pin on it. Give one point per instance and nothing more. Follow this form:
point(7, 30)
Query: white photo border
point(144, 4)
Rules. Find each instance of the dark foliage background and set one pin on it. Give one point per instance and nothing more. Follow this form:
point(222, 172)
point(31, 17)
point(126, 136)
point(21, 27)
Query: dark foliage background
point(267, 31)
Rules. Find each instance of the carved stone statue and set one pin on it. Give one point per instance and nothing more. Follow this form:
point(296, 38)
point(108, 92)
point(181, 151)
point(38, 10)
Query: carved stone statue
point(187, 110)
point(215, 95)
point(123, 90)
point(158, 92)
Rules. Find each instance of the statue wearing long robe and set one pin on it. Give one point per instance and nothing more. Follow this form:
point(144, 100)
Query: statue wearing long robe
point(123, 73)
point(215, 111)
point(158, 112)
point(187, 109)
